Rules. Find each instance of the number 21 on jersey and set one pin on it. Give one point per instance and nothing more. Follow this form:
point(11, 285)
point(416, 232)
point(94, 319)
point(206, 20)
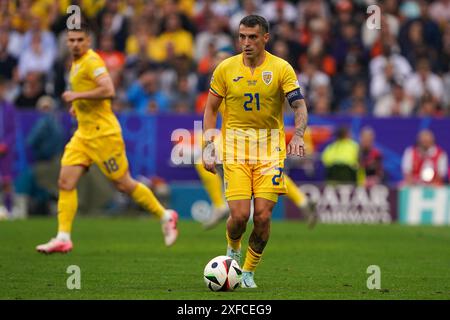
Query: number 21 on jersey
point(249, 102)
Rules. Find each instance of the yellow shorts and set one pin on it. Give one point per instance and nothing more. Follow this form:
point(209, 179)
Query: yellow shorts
point(107, 152)
point(261, 180)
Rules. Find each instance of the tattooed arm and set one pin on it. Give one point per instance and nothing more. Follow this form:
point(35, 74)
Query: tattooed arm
point(297, 146)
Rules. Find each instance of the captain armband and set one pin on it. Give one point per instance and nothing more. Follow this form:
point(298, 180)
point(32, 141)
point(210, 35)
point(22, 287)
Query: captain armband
point(294, 95)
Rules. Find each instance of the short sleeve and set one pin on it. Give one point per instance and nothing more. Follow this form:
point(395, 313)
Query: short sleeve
point(96, 68)
point(289, 81)
point(218, 85)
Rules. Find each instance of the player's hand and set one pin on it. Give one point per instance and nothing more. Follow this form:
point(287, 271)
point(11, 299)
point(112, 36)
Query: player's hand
point(209, 157)
point(296, 146)
point(69, 96)
point(72, 112)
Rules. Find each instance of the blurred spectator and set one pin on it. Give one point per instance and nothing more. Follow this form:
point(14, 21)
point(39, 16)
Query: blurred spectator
point(213, 34)
point(317, 53)
point(322, 106)
point(428, 107)
point(183, 99)
point(415, 47)
point(423, 81)
point(446, 99)
point(370, 159)
point(310, 9)
point(46, 142)
point(145, 96)
point(61, 75)
point(179, 67)
point(331, 35)
point(347, 41)
point(142, 44)
point(248, 7)
point(111, 20)
point(7, 144)
point(174, 40)
point(344, 82)
point(381, 83)
point(340, 158)
point(31, 90)
point(114, 59)
point(203, 85)
point(276, 11)
point(419, 35)
point(426, 162)
point(390, 26)
point(47, 38)
point(440, 11)
point(359, 107)
point(281, 50)
point(314, 83)
point(35, 58)
point(395, 103)
point(8, 64)
point(358, 95)
point(445, 53)
point(401, 69)
point(286, 32)
point(46, 138)
point(21, 16)
point(313, 23)
point(175, 7)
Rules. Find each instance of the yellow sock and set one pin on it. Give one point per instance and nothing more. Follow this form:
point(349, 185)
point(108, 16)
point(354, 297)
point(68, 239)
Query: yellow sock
point(252, 259)
point(146, 199)
point(295, 194)
point(67, 208)
point(235, 244)
point(212, 184)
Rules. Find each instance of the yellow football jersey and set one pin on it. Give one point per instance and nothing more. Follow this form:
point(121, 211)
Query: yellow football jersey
point(95, 117)
point(253, 106)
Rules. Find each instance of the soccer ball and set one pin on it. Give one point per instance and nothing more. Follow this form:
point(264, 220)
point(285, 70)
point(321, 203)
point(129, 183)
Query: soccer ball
point(222, 274)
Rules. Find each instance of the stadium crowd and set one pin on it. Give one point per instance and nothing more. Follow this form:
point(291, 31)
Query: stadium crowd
point(160, 53)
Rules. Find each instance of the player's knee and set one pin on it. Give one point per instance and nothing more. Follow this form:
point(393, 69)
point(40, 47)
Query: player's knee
point(121, 186)
point(239, 217)
point(66, 184)
point(125, 186)
point(262, 217)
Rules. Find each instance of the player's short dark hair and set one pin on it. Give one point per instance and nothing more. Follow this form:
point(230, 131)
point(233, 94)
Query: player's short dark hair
point(254, 20)
point(83, 27)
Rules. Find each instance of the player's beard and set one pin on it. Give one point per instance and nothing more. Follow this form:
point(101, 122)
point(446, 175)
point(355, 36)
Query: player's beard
point(76, 54)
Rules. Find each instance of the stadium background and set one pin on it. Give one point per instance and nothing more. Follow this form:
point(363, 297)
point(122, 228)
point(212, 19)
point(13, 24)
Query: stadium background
point(160, 54)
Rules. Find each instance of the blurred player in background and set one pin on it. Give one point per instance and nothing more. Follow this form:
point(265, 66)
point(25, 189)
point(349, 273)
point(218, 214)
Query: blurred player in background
point(98, 140)
point(7, 143)
point(253, 86)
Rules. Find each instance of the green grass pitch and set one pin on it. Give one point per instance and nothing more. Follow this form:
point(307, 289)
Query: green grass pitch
point(124, 258)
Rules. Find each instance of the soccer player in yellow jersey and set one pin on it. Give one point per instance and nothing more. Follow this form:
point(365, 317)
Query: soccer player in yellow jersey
point(253, 86)
point(98, 140)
